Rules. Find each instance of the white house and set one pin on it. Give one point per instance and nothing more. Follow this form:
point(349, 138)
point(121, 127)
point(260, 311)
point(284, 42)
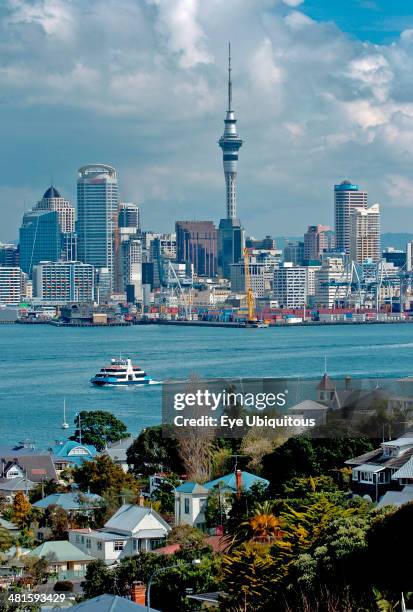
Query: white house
point(190, 502)
point(130, 530)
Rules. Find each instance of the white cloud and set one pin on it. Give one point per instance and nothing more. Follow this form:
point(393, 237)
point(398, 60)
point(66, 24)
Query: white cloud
point(293, 3)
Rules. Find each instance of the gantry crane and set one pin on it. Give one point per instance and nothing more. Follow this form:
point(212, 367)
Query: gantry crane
point(248, 290)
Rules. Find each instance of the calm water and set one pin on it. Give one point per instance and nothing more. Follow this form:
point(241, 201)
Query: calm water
point(42, 365)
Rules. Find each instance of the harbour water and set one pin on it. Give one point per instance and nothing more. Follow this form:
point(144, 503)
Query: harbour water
point(42, 365)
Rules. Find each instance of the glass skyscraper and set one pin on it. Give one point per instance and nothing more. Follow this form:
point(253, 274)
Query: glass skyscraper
point(40, 239)
point(97, 209)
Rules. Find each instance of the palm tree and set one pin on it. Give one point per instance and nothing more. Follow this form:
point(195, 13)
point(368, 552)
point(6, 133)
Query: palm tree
point(262, 527)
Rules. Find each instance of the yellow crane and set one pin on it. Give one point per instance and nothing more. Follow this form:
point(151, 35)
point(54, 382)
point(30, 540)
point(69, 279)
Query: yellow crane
point(250, 294)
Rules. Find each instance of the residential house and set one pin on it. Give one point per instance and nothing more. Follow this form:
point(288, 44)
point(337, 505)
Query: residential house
point(388, 467)
point(130, 530)
point(10, 486)
point(65, 559)
point(397, 498)
point(74, 502)
point(110, 603)
point(10, 527)
point(27, 465)
point(69, 453)
point(117, 452)
point(191, 497)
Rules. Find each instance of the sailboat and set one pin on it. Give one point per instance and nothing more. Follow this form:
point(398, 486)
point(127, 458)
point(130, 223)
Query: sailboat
point(65, 424)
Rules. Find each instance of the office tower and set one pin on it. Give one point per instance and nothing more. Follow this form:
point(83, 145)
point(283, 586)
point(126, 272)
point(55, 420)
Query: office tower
point(231, 233)
point(62, 282)
point(316, 240)
point(129, 217)
point(365, 234)
point(261, 277)
point(132, 266)
point(9, 255)
point(409, 256)
point(69, 247)
point(40, 239)
point(331, 282)
point(196, 243)
point(11, 285)
point(97, 209)
point(294, 252)
point(52, 200)
point(346, 197)
point(265, 244)
point(290, 285)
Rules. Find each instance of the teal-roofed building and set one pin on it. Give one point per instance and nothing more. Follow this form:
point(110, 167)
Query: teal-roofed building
point(74, 501)
point(69, 453)
point(229, 481)
point(110, 603)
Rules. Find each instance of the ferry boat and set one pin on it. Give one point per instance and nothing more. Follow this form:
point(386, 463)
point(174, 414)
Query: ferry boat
point(121, 372)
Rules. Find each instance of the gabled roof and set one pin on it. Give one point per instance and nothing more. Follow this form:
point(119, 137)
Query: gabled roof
point(37, 467)
point(110, 603)
point(8, 525)
point(397, 498)
point(308, 405)
point(191, 487)
point(326, 384)
point(406, 471)
point(229, 481)
point(16, 484)
point(60, 550)
point(129, 516)
point(70, 501)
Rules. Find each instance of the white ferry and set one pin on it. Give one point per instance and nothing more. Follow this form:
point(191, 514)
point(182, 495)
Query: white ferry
point(121, 372)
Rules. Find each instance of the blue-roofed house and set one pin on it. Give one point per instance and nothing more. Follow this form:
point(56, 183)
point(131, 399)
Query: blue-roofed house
point(191, 497)
point(69, 453)
point(133, 528)
point(72, 502)
point(110, 603)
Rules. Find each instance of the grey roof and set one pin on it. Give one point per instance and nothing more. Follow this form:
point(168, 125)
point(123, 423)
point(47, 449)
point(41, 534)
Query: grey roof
point(37, 466)
point(397, 498)
point(128, 517)
point(124, 443)
point(370, 468)
point(70, 501)
point(406, 471)
point(62, 550)
point(308, 405)
point(8, 525)
point(110, 603)
point(16, 484)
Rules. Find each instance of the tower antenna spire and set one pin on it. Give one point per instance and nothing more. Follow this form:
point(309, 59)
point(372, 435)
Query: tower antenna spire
point(229, 79)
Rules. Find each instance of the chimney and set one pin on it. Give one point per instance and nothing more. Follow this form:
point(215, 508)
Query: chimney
point(141, 500)
point(138, 593)
point(238, 480)
point(347, 383)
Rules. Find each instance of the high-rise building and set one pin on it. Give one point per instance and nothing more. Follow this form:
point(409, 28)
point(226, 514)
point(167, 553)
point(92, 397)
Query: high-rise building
point(97, 210)
point(347, 196)
point(231, 232)
point(290, 285)
point(9, 255)
point(331, 282)
point(365, 234)
point(52, 200)
point(316, 241)
point(63, 281)
point(294, 252)
point(261, 277)
point(11, 285)
point(129, 217)
point(196, 243)
point(40, 239)
point(132, 266)
point(266, 244)
point(409, 256)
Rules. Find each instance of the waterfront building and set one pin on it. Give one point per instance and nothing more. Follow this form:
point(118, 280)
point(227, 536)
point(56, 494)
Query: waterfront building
point(197, 244)
point(9, 255)
point(63, 281)
point(11, 285)
point(132, 267)
point(317, 239)
point(311, 270)
point(365, 234)
point(290, 286)
point(395, 256)
point(231, 233)
point(294, 252)
point(40, 239)
point(52, 200)
point(261, 277)
point(97, 208)
point(347, 196)
point(331, 282)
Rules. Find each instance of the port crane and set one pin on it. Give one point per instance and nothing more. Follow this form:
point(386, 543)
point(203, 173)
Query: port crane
point(252, 320)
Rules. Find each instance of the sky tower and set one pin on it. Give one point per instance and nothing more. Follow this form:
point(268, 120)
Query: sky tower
point(231, 233)
point(230, 144)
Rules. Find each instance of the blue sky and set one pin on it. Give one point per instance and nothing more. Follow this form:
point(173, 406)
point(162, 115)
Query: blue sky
point(323, 90)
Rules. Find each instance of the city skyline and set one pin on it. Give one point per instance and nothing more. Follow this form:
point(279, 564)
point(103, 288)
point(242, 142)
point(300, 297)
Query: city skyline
point(308, 124)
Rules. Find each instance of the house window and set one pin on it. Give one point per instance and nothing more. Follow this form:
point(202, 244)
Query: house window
point(77, 538)
point(118, 545)
point(202, 504)
point(156, 543)
point(88, 543)
point(186, 505)
point(99, 545)
point(366, 476)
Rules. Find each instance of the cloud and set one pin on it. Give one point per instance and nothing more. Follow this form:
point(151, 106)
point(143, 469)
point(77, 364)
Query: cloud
point(142, 85)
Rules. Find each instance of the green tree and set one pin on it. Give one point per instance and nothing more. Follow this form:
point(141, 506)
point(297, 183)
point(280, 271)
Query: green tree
point(192, 542)
point(6, 540)
point(151, 453)
point(98, 428)
point(99, 579)
point(164, 493)
point(101, 475)
point(43, 489)
point(58, 521)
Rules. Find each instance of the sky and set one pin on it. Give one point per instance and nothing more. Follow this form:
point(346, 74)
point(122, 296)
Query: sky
point(322, 89)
